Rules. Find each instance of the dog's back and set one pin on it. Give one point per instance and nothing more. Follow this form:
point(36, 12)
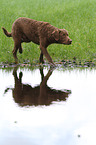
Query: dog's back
point(28, 29)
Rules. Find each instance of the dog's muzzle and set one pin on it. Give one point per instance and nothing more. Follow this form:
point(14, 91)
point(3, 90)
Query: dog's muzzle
point(70, 41)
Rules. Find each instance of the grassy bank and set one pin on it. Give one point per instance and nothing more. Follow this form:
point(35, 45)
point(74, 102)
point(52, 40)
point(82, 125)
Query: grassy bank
point(77, 16)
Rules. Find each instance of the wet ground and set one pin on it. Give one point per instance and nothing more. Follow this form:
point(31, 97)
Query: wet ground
point(47, 106)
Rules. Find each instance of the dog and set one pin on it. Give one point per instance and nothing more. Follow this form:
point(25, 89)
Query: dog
point(39, 32)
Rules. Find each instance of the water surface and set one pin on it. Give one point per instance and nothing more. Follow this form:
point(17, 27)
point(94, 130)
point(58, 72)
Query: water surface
point(47, 107)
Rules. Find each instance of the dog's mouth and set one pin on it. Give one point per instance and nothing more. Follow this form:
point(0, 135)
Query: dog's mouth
point(68, 43)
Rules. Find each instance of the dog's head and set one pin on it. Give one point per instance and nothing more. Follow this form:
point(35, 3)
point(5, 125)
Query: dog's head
point(61, 36)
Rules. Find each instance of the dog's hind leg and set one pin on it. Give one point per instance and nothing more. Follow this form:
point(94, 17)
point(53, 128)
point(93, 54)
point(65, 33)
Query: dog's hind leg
point(20, 49)
point(17, 45)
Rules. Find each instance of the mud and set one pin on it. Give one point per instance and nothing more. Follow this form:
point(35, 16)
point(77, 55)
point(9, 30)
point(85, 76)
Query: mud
point(64, 63)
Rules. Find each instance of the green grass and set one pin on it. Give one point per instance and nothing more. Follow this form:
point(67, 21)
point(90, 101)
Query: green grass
point(77, 16)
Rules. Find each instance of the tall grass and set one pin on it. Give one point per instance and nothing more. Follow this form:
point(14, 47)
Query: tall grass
point(77, 16)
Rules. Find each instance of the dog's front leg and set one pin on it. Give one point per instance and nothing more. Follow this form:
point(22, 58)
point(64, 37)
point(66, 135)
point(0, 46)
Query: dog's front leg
point(45, 52)
point(41, 58)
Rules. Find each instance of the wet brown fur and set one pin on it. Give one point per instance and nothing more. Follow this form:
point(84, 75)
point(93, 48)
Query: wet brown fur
point(39, 32)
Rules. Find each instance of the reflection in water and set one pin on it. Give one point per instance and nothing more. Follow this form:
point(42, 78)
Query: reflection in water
point(40, 95)
point(70, 123)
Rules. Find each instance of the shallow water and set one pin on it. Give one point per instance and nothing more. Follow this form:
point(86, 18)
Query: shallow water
point(47, 107)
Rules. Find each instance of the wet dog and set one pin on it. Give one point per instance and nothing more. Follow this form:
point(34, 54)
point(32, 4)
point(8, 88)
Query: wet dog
point(39, 32)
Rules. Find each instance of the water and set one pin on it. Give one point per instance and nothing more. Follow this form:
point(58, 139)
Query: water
point(45, 107)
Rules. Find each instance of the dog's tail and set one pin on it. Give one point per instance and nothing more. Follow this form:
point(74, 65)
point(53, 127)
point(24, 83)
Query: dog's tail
point(7, 33)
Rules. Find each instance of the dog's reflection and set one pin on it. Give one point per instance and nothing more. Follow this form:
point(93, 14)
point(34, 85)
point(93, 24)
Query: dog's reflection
point(40, 95)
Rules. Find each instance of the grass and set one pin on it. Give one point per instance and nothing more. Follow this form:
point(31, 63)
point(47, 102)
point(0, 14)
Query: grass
point(77, 16)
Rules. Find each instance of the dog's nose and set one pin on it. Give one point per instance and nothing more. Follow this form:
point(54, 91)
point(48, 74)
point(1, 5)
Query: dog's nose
point(70, 41)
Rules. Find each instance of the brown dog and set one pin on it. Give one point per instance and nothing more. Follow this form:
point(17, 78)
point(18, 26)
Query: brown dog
point(41, 33)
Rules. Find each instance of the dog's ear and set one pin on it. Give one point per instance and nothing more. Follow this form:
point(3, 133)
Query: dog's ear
point(55, 34)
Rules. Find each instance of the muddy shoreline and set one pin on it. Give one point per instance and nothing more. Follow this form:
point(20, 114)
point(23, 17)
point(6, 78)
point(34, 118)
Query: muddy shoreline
point(63, 63)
